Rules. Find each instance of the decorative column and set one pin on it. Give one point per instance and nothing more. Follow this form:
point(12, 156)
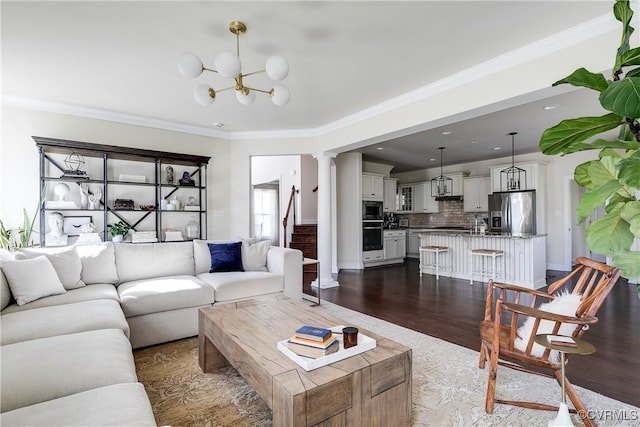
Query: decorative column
point(324, 219)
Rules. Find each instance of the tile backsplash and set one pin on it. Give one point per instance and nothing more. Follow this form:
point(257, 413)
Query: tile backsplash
point(451, 214)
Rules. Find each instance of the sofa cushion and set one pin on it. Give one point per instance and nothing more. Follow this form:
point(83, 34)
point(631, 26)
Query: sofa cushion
point(237, 285)
point(163, 294)
point(136, 261)
point(98, 263)
point(48, 368)
point(254, 255)
point(61, 320)
point(113, 405)
point(225, 257)
point(65, 261)
point(85, 293)
point(5, 291)
point(32, 279)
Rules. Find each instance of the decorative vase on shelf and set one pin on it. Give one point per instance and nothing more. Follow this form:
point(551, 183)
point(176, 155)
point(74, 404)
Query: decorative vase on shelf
point(192, 229)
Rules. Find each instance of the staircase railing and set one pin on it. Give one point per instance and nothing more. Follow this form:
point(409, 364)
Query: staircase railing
point(285, 220)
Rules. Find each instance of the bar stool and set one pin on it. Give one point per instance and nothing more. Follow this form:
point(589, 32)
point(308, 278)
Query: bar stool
point(483, 254)
point(436, 250)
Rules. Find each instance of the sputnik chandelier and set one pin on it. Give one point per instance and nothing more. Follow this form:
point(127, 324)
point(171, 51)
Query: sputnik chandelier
point(228, 65)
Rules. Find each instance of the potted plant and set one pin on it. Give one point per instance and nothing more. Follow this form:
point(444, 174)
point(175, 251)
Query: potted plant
point(613, 180)
point(118, 231)
point(17, 238)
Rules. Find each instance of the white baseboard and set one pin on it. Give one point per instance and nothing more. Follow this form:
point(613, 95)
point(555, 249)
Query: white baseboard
point(557, 267)
point(309, 222)
point(350, 266)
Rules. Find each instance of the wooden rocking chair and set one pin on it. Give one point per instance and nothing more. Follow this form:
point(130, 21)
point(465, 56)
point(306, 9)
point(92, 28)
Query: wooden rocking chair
point(500, 324)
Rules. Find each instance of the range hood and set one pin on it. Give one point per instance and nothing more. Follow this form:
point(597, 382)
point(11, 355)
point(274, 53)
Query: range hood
point(445, 198)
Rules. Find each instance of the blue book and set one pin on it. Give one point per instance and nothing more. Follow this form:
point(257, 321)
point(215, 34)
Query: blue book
point(313, 333)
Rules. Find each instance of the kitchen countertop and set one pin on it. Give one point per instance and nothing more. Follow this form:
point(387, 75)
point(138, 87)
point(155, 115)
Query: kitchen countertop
point(467, 233)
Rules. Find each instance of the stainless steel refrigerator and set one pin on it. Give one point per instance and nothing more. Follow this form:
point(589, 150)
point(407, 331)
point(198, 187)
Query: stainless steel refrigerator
point(513, 212)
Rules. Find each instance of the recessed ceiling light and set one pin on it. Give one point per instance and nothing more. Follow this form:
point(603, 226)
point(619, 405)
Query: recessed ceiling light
point(474, 141)
point(550, 107)
point(446, 132)
point(497, 148)
point(217, 124)
point(432, 160)
point(379, 148)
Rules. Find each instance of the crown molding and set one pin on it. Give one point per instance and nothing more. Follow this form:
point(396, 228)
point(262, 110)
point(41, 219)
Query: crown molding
point(111, 116)
point(569, 37)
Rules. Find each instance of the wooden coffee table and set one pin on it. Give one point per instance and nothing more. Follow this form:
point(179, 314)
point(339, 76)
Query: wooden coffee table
point(372, 388)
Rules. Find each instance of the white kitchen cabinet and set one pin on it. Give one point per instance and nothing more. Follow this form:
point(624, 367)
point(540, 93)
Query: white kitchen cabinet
point(423, 201)
point(395, 242)
point(413, 245)
point(457, 184)
point(372, 256)
point(372, 187)
point(389, 204)
point(476, 192)
point(405, 198)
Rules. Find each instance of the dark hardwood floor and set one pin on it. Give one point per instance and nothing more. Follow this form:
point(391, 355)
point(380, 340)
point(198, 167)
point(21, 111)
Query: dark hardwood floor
point(451, 309)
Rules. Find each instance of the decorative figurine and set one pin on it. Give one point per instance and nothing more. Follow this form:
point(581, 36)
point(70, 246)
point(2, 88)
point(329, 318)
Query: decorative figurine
point(169, 175)
point(55, 236)
point(186, 179)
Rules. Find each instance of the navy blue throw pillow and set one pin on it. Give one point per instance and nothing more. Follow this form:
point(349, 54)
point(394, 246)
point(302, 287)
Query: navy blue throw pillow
point(225, 257)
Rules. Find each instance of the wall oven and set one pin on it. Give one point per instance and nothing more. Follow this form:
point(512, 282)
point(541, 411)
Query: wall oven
point(372, 235)
point(372, 211)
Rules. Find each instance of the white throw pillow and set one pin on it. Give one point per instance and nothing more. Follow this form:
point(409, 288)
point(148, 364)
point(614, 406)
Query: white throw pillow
point(32, 279)
point(98, 263)
point(565, 304)
point(65, 261)
point(254, 256)
point(5, 292)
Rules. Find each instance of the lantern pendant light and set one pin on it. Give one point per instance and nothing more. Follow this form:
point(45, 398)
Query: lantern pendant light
point(514, 177)
point(441, 186)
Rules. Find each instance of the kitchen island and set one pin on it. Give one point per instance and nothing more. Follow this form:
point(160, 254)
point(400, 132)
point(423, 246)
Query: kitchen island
point(525, 258)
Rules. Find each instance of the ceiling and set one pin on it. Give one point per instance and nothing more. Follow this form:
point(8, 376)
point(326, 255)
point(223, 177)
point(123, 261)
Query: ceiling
point(345, 57)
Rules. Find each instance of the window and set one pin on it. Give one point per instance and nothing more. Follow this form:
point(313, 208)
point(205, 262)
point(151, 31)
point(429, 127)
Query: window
point(266, 213)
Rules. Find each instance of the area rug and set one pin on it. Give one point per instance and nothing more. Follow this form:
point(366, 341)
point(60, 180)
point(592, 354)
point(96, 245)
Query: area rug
point(448, 387)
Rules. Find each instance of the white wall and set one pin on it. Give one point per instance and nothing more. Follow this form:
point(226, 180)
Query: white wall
point(308, 198)
point(349, 209)
point(19, 171)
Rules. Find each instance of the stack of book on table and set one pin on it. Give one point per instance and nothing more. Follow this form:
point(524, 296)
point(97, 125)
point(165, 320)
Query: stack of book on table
point(313, 342)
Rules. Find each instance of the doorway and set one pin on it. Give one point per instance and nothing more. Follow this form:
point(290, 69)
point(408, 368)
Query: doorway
point(575, 241)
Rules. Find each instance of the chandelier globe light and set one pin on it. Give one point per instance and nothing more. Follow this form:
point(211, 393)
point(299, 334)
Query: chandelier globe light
point(441, 185)
point(229, 65)
point(515, 178)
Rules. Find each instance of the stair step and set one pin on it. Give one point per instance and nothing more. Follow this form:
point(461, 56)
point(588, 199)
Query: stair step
point(306, 229)
point(303, 238)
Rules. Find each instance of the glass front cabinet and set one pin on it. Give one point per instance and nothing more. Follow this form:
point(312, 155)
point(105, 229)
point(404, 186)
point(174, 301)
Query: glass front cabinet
point(88, 188)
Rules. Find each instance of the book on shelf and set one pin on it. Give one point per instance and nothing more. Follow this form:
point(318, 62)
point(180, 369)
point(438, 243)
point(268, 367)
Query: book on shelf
point(313, 333)
point(312, 351)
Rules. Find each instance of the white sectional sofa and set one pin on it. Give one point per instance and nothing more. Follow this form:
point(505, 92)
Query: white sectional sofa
point(71, 316)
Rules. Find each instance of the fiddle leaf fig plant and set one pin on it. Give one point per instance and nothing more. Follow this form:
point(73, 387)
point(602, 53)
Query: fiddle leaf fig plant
point(613, 180)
